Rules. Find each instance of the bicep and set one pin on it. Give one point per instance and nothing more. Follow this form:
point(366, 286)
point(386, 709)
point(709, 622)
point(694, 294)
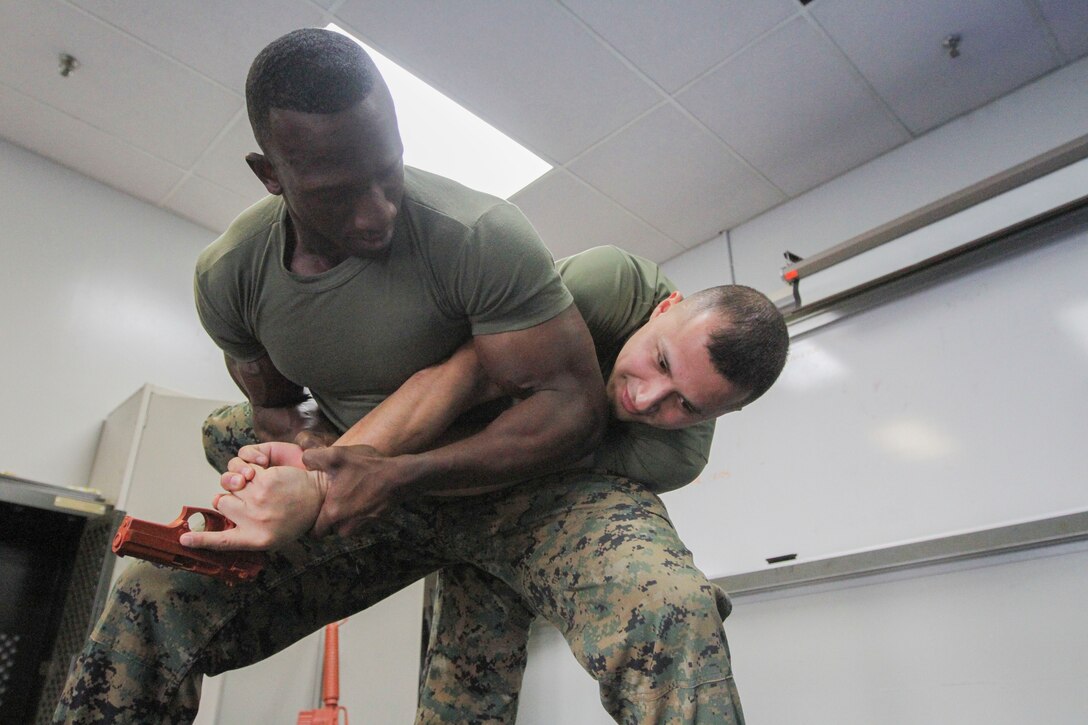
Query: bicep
point(555, 355)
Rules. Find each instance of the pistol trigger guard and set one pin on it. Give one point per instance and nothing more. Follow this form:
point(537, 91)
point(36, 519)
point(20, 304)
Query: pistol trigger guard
point(213, 520)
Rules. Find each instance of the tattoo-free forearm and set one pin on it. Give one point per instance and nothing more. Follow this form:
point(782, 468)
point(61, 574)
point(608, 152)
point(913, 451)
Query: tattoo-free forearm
point(424, 407)
point(559, 419)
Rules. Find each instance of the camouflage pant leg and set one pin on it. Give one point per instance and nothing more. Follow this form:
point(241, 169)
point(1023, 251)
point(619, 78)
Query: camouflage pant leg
point(599, 558)
point(225, 431)
point(476, 652)
point(163, 628)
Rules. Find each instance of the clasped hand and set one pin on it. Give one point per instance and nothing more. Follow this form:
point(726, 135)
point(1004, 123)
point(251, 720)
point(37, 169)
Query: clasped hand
point(277, 492)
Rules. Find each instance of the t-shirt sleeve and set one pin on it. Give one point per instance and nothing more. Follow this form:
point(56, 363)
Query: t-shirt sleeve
point(505, 276)
point(221, 316)
point(663, 460)
point(615, 291)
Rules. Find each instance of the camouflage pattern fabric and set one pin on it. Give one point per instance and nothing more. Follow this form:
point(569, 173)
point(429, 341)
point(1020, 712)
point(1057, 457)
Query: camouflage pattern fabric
point(225, 431)
point(595, 555)
point(476, 653)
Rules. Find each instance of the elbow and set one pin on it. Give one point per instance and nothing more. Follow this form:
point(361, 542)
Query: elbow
point(596, 421)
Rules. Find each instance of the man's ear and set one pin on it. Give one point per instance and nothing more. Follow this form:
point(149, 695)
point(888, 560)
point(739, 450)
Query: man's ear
point(667, 303)
point(262, 167)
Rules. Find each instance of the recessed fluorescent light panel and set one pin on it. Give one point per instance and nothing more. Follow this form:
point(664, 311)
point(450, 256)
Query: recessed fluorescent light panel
point(442, 137)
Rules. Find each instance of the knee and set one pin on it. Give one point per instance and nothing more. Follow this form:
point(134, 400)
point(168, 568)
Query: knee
point(670, 607)
point(225, 431)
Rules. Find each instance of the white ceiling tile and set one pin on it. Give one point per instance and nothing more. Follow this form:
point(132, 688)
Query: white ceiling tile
point(225, 161)
point(1068, 20)
point(75, 144)
point(121, 87)
point(208, 204)
point(218, 39)
point(793, 107)
point(673, 43)
point(572, 217)
point(897, 47)
point(676, 176)
point(526, 67)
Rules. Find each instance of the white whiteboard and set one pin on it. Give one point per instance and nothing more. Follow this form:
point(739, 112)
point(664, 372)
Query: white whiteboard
point(961, 406)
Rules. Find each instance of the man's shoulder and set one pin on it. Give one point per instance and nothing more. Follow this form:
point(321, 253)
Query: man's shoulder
point(435, 199)
point(606, 271)
point(251, 227)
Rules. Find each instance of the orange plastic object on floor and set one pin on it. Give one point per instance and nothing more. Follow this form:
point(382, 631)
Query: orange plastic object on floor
point(330, 684)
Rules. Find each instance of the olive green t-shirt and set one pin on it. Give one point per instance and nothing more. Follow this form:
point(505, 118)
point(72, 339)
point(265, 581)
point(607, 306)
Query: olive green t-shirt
point(461, 263)
point(616, 292)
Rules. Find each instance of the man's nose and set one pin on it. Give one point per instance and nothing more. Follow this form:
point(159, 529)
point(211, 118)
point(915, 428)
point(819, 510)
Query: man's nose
point(375, 211)
point(649, 396)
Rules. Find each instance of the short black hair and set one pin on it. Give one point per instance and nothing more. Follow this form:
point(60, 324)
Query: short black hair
point(750, 345)
point(310, 70)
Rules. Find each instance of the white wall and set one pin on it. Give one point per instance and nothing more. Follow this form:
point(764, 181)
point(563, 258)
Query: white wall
point(988, 641)
point(1036, 118)
point(95, 301)
point(997, 642)
point(1043, 115)
point(982, 642)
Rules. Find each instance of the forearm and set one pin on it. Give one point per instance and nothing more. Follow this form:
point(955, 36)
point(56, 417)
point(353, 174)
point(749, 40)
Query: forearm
point(559, 420)
point(424, 407)
point(548, 431)
point(514, 447)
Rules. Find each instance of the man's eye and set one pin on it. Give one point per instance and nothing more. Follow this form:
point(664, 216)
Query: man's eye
point(688, 408)
point(663, 364)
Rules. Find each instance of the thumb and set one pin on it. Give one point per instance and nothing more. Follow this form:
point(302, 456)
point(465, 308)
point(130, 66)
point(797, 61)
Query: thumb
point(319, 459)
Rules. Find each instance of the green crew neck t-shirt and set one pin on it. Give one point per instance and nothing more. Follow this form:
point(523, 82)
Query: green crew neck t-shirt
point(461, 263)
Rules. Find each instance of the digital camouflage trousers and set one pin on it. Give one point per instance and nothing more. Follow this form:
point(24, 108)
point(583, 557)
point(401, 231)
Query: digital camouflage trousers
point(595, 555)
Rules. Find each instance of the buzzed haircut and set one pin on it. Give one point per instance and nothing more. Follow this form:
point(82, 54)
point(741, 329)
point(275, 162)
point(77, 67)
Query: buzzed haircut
point(310, 70)
point(750, 344)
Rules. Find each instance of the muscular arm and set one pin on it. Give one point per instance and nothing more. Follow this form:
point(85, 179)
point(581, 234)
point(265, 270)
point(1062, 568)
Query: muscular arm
point(553, 370)
point(425, 406)
point(274, 506)
point(281, 409)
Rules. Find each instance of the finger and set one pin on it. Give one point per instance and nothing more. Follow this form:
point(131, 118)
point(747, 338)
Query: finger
point(241, 467)
point(320, 459)
point(232, 482)
point(229, 505)
point(232, 540)
point(254, 453)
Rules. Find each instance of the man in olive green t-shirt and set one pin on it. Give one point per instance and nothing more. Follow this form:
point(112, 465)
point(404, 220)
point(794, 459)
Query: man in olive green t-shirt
point(345, 209)
point(479, 631)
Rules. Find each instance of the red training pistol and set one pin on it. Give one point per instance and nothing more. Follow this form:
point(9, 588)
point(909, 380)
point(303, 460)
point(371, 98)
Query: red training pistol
point(161, 544)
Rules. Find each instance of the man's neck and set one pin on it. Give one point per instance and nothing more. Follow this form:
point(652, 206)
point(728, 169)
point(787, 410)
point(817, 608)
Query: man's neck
point(301, 258)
